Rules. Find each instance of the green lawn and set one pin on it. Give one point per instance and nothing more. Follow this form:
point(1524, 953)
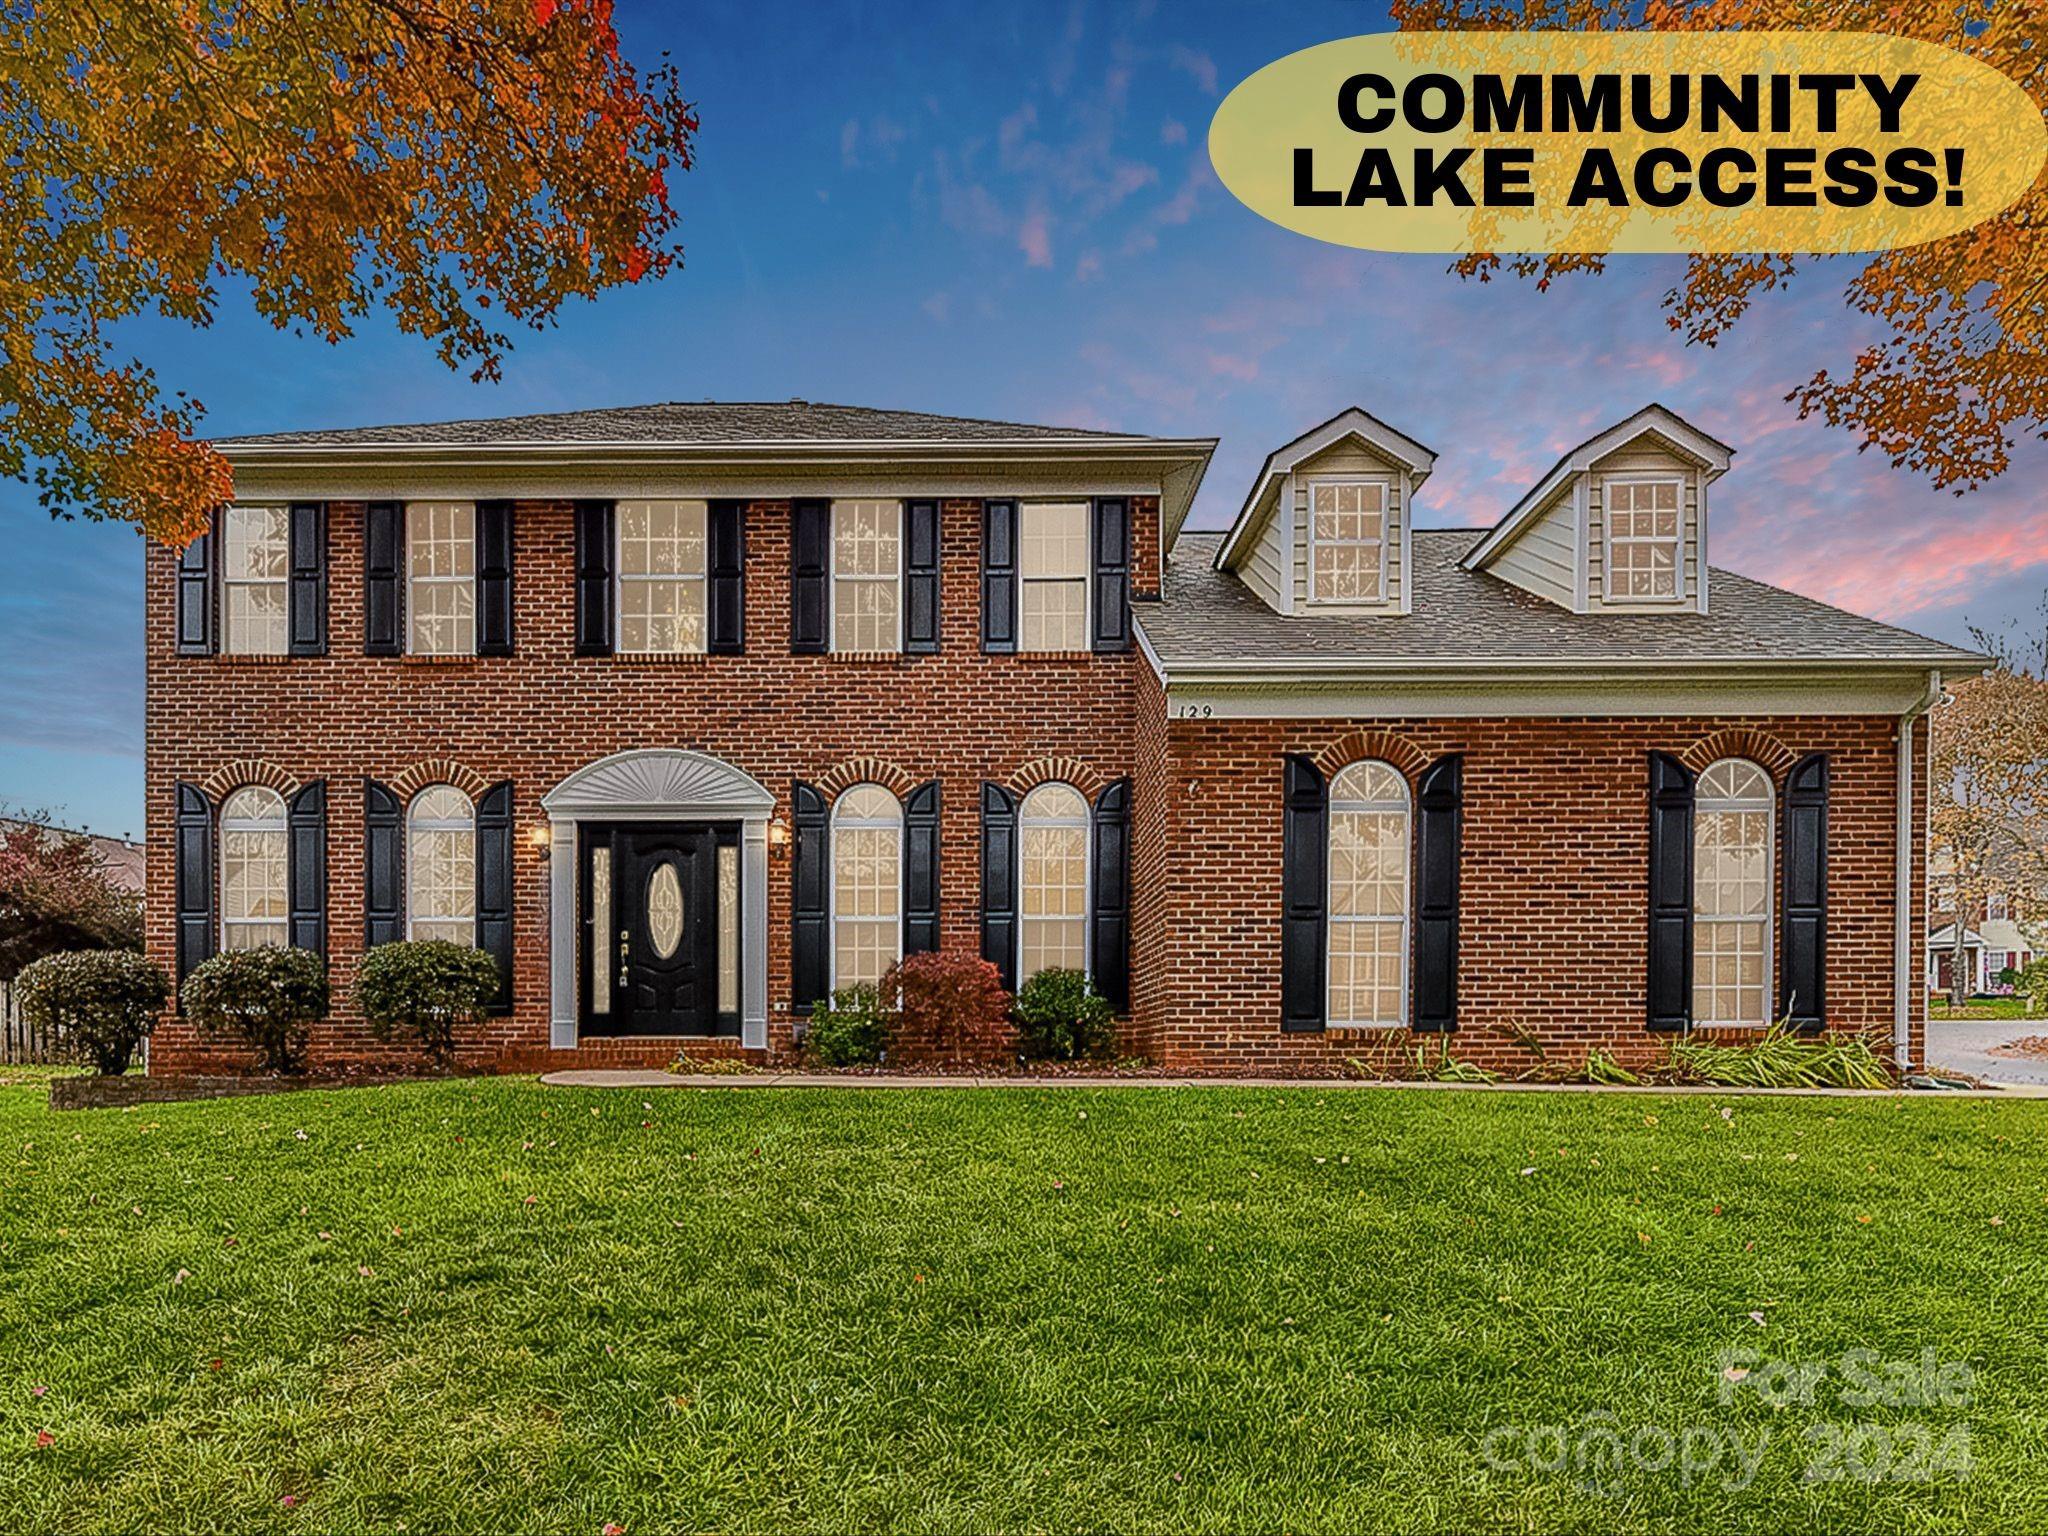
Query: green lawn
point(492, 1306)
point(1980, 1008)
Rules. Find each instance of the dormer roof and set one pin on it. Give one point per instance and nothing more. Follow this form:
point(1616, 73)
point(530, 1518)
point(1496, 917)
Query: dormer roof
point(1386, 441)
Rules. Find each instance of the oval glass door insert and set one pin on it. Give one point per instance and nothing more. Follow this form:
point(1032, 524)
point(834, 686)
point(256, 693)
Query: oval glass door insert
point(665, 910)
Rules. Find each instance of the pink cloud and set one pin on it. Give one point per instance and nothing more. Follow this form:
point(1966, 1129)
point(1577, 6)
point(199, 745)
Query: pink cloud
point(1173, 131)
point(1930, 562)
point(1034, 238)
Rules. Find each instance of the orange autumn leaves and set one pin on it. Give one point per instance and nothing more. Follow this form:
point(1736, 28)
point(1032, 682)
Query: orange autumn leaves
point(466, 165)
point(1959, 367)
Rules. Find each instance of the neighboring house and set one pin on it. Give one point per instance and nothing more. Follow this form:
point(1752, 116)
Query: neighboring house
point(2001, 941)
point(690, 713)
point(121, 858)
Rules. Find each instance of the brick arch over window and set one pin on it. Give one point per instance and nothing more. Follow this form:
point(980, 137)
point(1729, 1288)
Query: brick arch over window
point(243, 772)
point(864, 770)
point(439, 770)
point(1760, 747)
point(1057, 770)
point(1358, 746)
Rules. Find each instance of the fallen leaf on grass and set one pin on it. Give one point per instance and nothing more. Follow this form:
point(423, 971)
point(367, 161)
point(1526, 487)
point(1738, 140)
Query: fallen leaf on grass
point(44, 1439)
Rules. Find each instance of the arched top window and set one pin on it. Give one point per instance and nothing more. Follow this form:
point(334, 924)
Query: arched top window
point(441, 865)
point(1733, 812)
point(867, 884)
point(1052, 926)
point(253, 842)
point(1370, 826)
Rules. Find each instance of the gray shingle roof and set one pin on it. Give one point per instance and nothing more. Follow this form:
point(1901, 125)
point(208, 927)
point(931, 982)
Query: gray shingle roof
point(1207, 615)
point(690, 421)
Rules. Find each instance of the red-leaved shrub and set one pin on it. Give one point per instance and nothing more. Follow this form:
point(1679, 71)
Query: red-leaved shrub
point(948, 1006)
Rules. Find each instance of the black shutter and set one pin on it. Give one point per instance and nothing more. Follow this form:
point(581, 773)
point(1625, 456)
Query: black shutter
point(383, 866)
point(1439, 828)
point(594, 577)
point(921, 577)
point(195, 597)
point(494, 578)
point(194, 878)
point(1304, 895)
point(1805, 856)
point(1670, 979)
point(494, 885)
point(383, 548)
point(999, 577)
point(306, 873)
point(921, 869)
point(1109, 938)
point(308, 535)
point(809, 881)
point(1112, 543)
point(999, 882)
point(725, 627)
point(810, 558)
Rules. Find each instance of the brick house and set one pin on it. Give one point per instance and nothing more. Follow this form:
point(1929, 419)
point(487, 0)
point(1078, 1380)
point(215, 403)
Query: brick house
point(689, 713)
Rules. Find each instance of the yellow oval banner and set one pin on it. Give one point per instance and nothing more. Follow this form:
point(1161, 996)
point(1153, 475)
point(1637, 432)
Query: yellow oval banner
point(1627, 141)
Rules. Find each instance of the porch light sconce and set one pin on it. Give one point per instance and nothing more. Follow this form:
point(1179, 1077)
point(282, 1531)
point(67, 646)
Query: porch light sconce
point(778, 837)
point(539, 838)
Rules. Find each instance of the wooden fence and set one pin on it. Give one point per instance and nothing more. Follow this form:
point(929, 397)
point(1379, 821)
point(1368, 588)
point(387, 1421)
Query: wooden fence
point(19, 1044)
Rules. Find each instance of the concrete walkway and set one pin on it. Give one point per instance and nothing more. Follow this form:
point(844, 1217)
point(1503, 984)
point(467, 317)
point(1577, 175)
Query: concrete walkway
point(1966, 1045)
point(643, 1078)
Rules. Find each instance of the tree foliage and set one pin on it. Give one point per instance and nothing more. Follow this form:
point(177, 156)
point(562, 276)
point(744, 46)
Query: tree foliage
point(467, 165)
point(55, 895)
point(1963, 365)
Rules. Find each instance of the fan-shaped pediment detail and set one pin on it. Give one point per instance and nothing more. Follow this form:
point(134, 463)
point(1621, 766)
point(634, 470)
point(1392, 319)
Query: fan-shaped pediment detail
point(659, 779)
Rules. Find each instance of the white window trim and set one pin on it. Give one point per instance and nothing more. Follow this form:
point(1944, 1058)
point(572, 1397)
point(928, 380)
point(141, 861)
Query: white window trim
point(415, 823)
point(834, 823)
point(620, 578)
point(228, 583)
point(1406, 806)
point(413, 582)
point(833, 575)
point(1086, 578)
point(1768, 804)
point(1607, 541)
point(282, 828)
point(1086, 821)
point(1386, 485)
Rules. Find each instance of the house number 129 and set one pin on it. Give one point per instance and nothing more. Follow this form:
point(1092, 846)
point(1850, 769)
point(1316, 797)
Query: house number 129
point(1196, 711)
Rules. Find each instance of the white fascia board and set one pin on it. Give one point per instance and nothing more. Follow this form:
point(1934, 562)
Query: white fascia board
point(1318, 672)
point(1370, 430)
point(1710, 453)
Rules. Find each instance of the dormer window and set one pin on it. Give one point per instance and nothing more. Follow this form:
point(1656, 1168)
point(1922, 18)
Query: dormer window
point(1643, 539)
point(1347, 540)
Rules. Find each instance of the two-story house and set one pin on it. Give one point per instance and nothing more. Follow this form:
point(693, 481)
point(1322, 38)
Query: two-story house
point(690, 713)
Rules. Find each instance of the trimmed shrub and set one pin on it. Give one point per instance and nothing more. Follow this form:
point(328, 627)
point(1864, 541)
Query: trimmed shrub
point(948, 1003)
point(1062, 1016)
point(849, 1030)
point(98, 1004)
point(2033, 986)
point(425, 990)
point(266, 998)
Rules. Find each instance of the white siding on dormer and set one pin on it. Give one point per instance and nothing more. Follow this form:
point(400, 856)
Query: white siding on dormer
point(1351, 457)
point(1642, 458)
point(1545, 558)
point(1265, 568)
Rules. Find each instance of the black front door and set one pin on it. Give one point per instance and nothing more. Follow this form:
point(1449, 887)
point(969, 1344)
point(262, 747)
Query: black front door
point(664, 940)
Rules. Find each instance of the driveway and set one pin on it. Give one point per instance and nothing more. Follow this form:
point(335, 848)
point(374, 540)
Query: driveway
point(1966, 1045)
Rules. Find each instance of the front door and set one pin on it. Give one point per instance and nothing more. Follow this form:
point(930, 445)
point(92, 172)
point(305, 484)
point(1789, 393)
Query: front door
point(664, 940)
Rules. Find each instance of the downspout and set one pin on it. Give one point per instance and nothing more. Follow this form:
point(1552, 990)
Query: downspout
point(1903, 970)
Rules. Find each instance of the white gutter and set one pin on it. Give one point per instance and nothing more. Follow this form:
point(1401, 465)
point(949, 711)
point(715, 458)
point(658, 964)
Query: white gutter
point(1321, 670)
point(1904, 970)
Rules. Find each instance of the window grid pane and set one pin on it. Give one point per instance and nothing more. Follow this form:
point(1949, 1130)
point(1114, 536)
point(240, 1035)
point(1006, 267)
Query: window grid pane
point(1053, 888)
point(255, 562)
point(1732, 876)
point(728, 928)
point(1368, 896)
point(1347, 536)
point(441, 866)
point(867, 884)
point(866, 569)
point(441, 577)
point(1643, 532)
point(662, 553)
point(253, 864)
point(1052, 567)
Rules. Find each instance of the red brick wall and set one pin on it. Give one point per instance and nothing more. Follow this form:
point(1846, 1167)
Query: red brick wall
point(1553, 924)
point(538, 715)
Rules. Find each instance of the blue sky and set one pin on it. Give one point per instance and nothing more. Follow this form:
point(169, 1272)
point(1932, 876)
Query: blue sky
point(1007, 211)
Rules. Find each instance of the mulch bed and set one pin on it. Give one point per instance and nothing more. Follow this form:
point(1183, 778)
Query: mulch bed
point(2026, 1045)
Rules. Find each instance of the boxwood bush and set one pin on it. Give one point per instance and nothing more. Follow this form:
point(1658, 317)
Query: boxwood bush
point(1061, 1015)
point(97, 1004)
point(850, 1029)
point(426, 990)
point(266, 998)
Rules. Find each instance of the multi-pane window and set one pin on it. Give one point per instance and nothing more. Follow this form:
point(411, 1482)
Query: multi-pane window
point(867, 884)
point(1731, 894)
point(253, 857)
point(440, 866)
point(661, 576)
point(867, 563)
point(440, 582)
point(1369, 829)
point(1347, 540)
point(255, 561)
point(1052, 930)
point(1052, 573)
point(1643, 526)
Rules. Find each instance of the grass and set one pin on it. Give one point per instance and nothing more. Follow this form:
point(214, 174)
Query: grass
point(1980, 1008)
point(488, 1305)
